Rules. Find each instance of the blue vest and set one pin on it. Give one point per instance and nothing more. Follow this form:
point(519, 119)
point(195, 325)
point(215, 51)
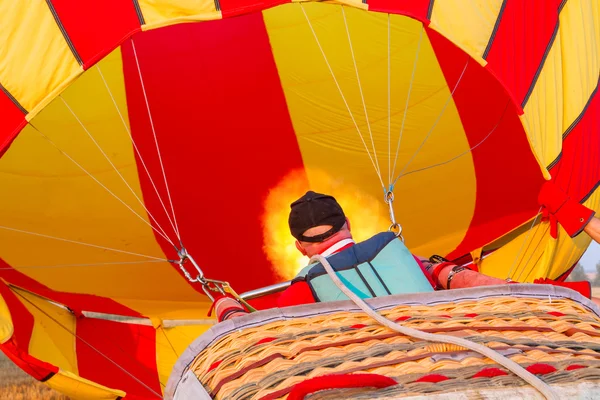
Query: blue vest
point(379, 266)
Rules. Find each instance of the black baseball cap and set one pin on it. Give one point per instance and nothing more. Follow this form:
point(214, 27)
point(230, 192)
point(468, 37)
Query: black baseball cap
point(315, 209)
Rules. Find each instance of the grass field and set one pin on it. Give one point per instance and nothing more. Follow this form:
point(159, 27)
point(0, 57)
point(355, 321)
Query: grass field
point(17, 385)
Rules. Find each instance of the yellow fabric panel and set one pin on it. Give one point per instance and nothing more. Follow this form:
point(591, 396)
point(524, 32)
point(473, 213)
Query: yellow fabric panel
point(566, 80)
point(78, 388)
point(6, 324)
point(535, 254)
point(167, 309)
point(580, 51)
point(171, 343)
point(50, 341)
point(35, 59)
point(326, 134)
point(60, 200)
point(159, 13)
point(467, 23)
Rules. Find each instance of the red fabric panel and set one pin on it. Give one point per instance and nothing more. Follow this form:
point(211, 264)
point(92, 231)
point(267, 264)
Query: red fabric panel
point(21, 317)
point(106, 349)
point(225, 136)
point(521, 39)
point(298, 293)
point(236, 7)
point(17, 347)
point(12, 120)
point(577, 171)
point(76, 302)
point(417, 9)
point(96, 27)
point(37, 369)
point(508, 176)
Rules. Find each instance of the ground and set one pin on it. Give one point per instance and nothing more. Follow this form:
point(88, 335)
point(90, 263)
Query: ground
point(17, 385)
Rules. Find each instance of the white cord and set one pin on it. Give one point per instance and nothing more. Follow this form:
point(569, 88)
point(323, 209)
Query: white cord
point(512, 366)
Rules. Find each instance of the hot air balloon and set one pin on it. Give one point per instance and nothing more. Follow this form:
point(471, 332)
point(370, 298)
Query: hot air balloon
point(144, 143)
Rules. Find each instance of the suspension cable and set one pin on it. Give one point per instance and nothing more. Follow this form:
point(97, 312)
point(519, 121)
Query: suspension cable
point(362, 97)
point(482, 141)
point(101, 184)
point(506, 362)
point(510, 271)
point(412, 78)
point(434, 124)
point(114, 166)
point(162, 166)
point(74, 334)
point(342, 95)
point(135, 147)
point(101, 264)
point(80, 243)
point(389, 99)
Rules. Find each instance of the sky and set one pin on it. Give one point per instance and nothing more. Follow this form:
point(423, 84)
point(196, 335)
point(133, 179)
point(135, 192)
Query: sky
point(591, 257)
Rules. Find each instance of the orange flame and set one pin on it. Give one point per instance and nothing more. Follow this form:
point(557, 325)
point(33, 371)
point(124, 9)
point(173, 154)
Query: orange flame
point(367, 215)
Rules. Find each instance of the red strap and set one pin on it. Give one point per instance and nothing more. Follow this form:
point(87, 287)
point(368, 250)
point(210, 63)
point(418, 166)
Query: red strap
point(436, 272)
point(298, 293)
point(327, 382)
point(583, 287)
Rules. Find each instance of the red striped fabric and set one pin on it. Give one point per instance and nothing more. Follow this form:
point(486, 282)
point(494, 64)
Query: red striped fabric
point(17, 348)
point(11, 122)
point(95, 27)
point(577, 171)
point(111, 352)
point(210, 103)
point(76, 302)
point(522, 37)
point(237, 7)
point(417, 9)
point(506, 191)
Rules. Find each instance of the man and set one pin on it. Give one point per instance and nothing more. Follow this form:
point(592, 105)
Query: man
point(379, 266)
point(320, 226)
point(382, 265)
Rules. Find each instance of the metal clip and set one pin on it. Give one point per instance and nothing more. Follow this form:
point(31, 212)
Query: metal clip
point(395, 226)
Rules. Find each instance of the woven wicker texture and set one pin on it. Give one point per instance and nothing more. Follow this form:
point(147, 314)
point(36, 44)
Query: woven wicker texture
point(557, 339)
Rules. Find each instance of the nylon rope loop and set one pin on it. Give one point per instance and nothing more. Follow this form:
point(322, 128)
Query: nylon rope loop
point(512, 366)
point(137, 151)
point(342, 95)
point(114, 167)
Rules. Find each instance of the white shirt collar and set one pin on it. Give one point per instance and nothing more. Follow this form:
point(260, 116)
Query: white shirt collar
point(335, 247)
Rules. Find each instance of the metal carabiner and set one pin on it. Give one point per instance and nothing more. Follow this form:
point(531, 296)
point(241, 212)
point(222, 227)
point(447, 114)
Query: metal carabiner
point(395, 226)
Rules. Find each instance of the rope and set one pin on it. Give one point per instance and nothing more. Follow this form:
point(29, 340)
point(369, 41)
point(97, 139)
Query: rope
point(162, 166)
point(362, 97)
point(87, 264)
point(80, 243)
point(100, 183)
point(434, 124)
point(414, 171)
point(91, 346)
point(510, 271)
point(412, 78)
point(343, 97)
point(115, 168)
point(518, 370)
point(389, 99)
point(137, 151)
